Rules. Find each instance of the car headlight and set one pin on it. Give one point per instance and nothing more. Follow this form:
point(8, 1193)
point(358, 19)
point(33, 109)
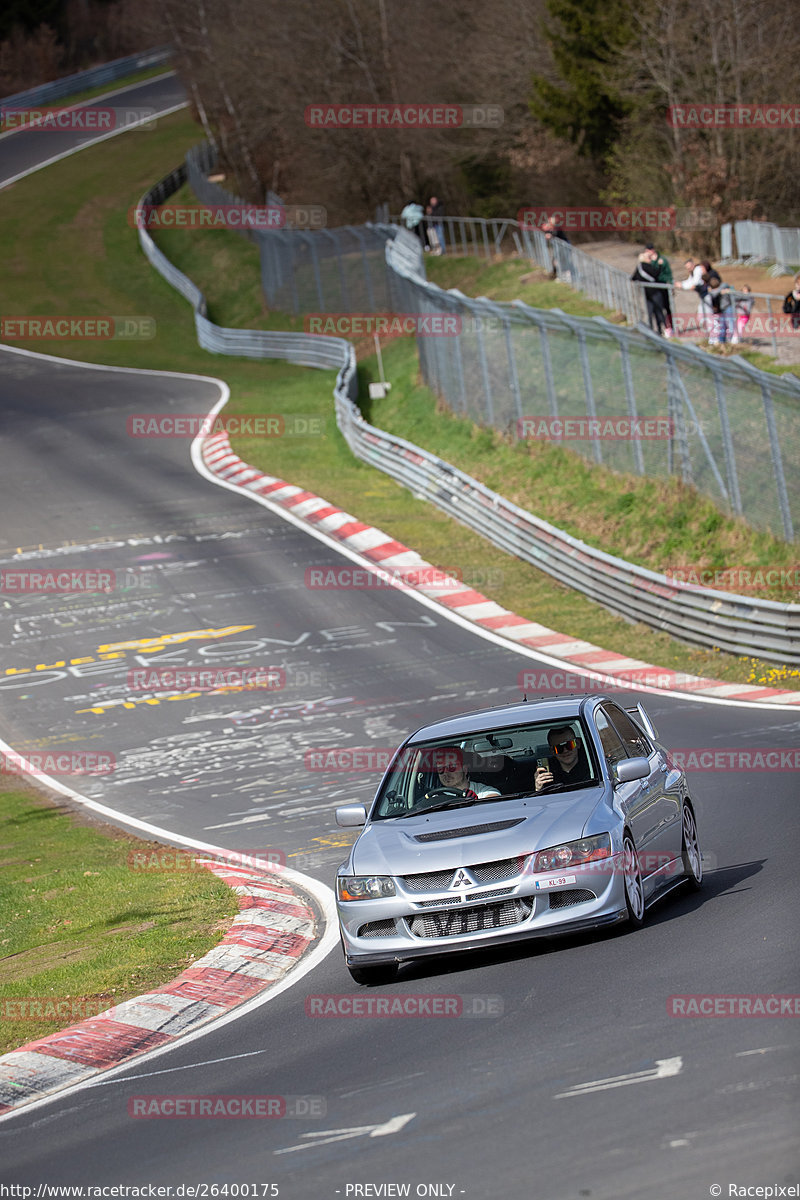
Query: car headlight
point(572, 854)
point(364, 887)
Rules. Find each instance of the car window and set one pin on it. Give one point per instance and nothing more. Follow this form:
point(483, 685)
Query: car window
point(633, 739)
point(491, 761)
point(610, 739)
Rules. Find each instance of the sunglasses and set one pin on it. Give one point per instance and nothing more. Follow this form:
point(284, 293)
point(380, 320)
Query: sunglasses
point(565, 747)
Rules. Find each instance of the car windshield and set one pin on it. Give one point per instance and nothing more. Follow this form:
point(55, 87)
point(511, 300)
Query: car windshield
point(497, 764)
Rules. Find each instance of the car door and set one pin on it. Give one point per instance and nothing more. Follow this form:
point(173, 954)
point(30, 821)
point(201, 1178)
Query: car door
point(662, 807)
point(633, 798)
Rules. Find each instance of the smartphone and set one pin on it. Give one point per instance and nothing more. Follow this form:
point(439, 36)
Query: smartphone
point(543, 764)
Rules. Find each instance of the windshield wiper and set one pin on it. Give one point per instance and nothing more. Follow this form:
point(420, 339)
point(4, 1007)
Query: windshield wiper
point(461, 802)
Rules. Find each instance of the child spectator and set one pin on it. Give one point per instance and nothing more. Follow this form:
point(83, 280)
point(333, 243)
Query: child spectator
point(744, 306)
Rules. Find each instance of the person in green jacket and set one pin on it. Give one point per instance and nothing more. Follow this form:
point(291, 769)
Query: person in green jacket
point(664, 276)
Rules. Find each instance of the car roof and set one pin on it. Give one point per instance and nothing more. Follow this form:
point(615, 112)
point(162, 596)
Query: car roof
point(504, 716)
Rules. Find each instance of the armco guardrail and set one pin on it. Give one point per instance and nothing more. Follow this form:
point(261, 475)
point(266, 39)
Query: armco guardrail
point(737, 624)
point(109, 72)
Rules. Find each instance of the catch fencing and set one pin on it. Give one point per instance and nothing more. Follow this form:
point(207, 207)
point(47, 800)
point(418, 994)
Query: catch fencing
point(737, 624)
point(761, 242)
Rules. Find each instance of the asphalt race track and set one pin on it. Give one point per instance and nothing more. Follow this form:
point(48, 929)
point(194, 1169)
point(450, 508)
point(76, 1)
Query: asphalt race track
point(576, 1081)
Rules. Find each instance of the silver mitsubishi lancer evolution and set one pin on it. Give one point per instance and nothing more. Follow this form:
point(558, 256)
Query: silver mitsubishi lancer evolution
point(526, 820)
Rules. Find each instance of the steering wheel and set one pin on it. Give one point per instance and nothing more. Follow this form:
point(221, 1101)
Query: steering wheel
point(449, 793)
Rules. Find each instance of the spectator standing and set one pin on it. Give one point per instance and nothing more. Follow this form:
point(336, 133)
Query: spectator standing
point(694, 281)
point(436, 210)
point(743, 308)
point(791, 305)
point(645, 274)
point(664, 275)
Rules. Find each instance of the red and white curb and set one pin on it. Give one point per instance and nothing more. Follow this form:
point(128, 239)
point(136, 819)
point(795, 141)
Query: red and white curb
point(273, 929)
point(383, 551)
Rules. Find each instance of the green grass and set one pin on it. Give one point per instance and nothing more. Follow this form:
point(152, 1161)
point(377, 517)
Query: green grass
point(100, 270)
point(78, 924)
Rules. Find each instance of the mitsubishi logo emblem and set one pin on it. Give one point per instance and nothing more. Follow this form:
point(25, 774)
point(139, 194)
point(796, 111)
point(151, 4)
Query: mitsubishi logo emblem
point(462, 879)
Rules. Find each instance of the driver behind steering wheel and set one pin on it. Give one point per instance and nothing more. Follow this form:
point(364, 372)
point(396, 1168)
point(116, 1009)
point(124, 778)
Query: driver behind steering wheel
point(448, 762)
point(569, 763)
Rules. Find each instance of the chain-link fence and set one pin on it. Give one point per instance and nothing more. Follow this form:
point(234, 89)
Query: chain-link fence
point(726, 428)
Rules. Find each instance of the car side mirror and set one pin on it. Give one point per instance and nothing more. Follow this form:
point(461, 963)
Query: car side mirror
point(631, 768)
point(351, 814)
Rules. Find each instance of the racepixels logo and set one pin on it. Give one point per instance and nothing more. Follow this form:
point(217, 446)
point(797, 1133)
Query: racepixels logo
point(71, 119)
point(734, 579)
point(717, 1005)
point(733, 116)
point(432, 578)
point(58, 762)
point(383, 324)
point(737, 759)
point(225, 1107)
point(76, 329)
point(205, 679)
point(170, 425)
point(404, 116)
point(621, 428)
point(359, 1006)
point(377, 758)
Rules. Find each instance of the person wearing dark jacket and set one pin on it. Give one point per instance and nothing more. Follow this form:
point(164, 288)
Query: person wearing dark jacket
point(791, 305)
point(647, 272)
point(569, 764)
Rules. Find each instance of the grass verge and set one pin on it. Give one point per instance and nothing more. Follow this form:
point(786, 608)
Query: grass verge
point(100, 270)
point(79, 928)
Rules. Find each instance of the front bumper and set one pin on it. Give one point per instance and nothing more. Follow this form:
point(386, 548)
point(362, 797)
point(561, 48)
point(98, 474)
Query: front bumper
point(415, 925)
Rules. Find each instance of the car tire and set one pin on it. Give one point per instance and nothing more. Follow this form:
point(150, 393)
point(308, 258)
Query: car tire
point(690, 850)
point(634, 888)
point(373, 976)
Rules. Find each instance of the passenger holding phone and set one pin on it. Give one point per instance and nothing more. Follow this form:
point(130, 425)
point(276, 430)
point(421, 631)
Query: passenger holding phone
point(569, 762)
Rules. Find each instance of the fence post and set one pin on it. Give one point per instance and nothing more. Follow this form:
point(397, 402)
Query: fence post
point(777, 462)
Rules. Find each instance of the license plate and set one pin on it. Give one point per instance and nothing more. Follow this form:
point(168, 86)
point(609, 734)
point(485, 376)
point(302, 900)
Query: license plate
point(555, 881)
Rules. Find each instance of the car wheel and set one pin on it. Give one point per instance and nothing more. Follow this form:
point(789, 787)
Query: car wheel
point(690, 851)
point(374, 976)
point(634, 888)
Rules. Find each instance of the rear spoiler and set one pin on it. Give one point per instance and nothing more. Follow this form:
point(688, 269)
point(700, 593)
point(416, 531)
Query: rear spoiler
point(639, 714)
